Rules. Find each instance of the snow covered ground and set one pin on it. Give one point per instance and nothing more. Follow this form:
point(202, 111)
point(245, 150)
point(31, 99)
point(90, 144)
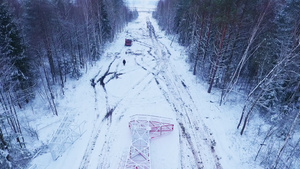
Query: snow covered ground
point(141, 4)
point(155, 81)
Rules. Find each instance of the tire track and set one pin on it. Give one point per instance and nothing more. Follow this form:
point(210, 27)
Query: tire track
point(97, 126)
point(90, 147)
point(162, 62)
point(179, 106)
point(209, 141)
point(181, 120)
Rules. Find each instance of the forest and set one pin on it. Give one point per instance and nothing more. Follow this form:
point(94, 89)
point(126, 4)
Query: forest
point(245, 49)
point(248, 49)
point(44, 43)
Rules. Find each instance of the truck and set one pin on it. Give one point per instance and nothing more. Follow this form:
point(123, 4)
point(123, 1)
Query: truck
point(128, 42)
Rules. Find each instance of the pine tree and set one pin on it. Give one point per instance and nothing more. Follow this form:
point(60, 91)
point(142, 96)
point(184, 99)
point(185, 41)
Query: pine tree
point(13, 49)
point(40, 29)
point(105, 22)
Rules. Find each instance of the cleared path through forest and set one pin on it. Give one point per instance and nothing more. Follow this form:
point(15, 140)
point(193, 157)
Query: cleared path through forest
point(148, 69)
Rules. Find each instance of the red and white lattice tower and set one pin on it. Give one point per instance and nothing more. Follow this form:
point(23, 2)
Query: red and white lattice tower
point(143, 129)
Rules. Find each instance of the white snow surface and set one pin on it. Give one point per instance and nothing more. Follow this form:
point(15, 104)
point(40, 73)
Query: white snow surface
point(141, 3)
point(156, 80)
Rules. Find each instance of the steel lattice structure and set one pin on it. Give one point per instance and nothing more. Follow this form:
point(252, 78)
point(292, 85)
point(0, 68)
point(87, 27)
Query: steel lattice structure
point(143, 129)
point(65, 136)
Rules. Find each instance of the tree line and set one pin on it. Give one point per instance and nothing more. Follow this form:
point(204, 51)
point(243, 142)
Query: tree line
point(248, 49)
point(42, 44)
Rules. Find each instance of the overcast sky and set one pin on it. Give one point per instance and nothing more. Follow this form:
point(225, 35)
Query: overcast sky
point(142, 3)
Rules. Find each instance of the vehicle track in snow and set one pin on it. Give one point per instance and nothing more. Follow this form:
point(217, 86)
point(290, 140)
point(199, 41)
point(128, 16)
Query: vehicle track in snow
point(91, 145)
point(136, 89)
point(160, 59)
point(194, 137)
point(97, 123)
point(188, 122)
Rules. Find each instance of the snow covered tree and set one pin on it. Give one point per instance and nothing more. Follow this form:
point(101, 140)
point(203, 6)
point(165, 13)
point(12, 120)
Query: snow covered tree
point(13, 49)
point(15, 74)
point(5, 164)
point(40, 29)
point(244, 46)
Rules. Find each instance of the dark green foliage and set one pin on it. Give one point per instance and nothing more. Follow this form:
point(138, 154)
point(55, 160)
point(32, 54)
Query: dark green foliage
point(219, 31)
point(105, 22)
point(42, 44)
point(250, 47)
point(40, 19)
point(12, 48)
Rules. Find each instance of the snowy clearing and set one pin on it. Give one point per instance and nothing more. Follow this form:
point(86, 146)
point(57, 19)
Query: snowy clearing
point(154, 81)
